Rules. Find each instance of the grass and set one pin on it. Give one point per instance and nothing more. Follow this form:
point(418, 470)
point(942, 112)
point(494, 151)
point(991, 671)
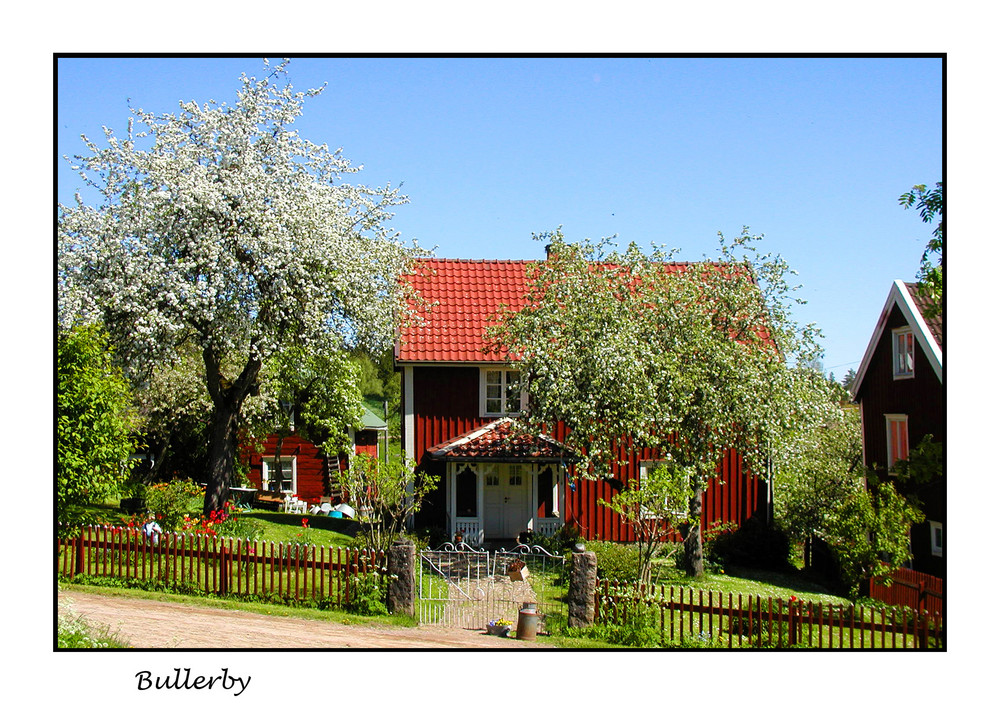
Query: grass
point(277, 527)
point(75, 633)
point(283, 527)
point(757, 582)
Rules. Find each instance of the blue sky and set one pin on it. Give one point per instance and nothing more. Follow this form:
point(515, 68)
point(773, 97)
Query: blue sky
point(812, 152)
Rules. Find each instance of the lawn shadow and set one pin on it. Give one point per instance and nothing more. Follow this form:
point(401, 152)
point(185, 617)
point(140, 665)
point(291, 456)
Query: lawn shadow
point(335, 524)
point(794, 580)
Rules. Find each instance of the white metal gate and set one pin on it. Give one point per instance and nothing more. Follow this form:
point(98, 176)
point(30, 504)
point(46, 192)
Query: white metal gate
point(465, 587)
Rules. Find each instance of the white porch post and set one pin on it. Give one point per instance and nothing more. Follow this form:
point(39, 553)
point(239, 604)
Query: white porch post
point(481, 500)
point(451, 478)
point(533, 469)
point(409, 432)
point(560, 490)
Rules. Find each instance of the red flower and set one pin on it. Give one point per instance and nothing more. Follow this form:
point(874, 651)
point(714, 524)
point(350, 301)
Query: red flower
point(305, 522)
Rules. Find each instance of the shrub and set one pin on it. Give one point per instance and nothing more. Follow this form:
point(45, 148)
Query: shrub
point(631, 623)
point(240, 527)
point(171, 502)
point(95, 425)
point(615, 561)
point(367, 595)
point(559, 543)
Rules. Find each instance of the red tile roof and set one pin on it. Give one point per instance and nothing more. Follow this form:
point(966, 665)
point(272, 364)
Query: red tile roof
point(934, 323)
point(499, 441)
point(465, 295)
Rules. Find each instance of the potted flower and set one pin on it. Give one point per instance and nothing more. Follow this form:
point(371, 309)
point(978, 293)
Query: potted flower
point(500, 627)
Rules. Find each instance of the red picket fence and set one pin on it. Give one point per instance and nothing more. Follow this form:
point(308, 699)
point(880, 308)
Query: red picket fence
point(726, 621)
point(916, 590)
point(225, 566)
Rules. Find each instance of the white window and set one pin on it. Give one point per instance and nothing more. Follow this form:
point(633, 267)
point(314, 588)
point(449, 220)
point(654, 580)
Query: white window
point(902, 353)
point(281, 477)
point(898, 439)
point(500, 392)
point(937, 538)
point(672, 507)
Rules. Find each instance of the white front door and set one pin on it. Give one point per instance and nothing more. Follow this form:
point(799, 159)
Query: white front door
point(507, 500)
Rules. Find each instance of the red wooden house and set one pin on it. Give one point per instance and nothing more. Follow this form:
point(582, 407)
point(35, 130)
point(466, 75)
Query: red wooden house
point(457, 402)
point(900, 389)
point(302, 470)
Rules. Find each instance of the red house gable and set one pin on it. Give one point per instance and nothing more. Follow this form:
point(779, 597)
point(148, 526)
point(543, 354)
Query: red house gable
point(900, 389)
point(495, 484)
point(463, 296)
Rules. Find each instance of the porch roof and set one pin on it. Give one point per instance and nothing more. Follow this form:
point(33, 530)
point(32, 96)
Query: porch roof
point(501, 441)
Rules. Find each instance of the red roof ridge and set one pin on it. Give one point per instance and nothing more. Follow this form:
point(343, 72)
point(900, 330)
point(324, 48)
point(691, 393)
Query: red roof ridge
point(473, 261)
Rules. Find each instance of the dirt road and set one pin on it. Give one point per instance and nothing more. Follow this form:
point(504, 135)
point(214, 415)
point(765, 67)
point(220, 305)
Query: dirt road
point(154, 624)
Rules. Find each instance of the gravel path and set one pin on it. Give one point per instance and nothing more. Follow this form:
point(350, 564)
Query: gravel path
point(148, 623)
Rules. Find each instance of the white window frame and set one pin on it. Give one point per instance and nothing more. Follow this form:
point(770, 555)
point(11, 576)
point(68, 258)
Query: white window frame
point(644, 467)
point(891, 457)
point(504, 384)
point(265, 472)
point(937, 548)
point(903, 357)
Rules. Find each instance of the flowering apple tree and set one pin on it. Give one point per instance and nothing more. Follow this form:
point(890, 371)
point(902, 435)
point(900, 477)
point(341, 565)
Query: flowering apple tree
point(219, 224)
point(634, 349)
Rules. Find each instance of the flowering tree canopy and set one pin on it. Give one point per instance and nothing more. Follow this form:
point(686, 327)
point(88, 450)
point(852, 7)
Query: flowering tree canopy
point(688, 359)
point(220, 225)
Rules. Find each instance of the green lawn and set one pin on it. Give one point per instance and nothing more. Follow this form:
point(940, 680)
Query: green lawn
point(757, 582)
point(284, 527)
point(277, 527)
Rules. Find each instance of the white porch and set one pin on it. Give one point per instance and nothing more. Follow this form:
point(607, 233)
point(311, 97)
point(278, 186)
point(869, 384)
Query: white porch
point(493, 500)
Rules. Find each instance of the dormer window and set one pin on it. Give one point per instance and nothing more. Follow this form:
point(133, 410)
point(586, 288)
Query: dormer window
point(500, 392)
point(902, 353)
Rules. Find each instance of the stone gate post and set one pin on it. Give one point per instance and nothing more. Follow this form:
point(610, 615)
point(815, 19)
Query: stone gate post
point(582, 585)
point(401, 590)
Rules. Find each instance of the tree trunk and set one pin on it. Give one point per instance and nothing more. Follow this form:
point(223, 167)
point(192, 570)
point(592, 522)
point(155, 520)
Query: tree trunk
point(221, 455)
point(227, 398)
point(694, 564)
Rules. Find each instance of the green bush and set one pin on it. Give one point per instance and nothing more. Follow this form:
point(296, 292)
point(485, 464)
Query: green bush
point(616, 561)
point(367, 595)
point(559, 543)
point(95, 423)
point(240, 527)
point(170, 502)
point(634, 624)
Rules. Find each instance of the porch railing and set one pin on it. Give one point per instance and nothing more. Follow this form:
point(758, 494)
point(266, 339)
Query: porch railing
point(470, 529)
point(546, 526)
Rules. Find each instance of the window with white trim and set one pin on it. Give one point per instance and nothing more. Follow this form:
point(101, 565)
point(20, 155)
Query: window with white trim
point(897, 435)
point(902, 353)
point(937, 538)
point(500, 392)
point(281, 477)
